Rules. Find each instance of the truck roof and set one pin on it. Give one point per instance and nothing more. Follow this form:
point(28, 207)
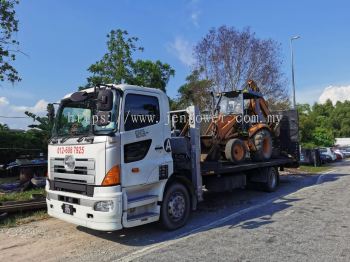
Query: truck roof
point(124, 87)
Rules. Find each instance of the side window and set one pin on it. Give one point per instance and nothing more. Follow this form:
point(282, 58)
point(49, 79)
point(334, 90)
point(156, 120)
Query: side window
point(136, 151)
point(140, 111)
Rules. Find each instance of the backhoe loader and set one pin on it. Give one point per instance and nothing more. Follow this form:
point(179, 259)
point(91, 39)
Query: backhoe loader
point(240, 124)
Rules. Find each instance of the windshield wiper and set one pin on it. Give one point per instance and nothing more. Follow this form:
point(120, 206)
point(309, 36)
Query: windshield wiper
point(81, 138)
point(53, 139)
point(64, 139)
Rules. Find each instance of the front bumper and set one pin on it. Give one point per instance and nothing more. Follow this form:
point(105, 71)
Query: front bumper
point(84, 214)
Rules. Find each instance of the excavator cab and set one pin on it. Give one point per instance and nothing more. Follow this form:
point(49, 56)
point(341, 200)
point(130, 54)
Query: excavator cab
point(239, 125)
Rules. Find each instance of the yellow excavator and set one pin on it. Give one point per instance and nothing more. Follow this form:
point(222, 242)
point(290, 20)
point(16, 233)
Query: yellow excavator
point(240, 124)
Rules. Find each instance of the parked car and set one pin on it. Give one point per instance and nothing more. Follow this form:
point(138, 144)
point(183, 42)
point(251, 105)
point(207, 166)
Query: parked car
point(346, 152)
point(325, 158)
point(328, 151)
point(339, 154)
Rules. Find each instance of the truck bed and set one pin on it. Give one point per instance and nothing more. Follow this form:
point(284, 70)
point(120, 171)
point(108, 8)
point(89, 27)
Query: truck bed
point(225, 167)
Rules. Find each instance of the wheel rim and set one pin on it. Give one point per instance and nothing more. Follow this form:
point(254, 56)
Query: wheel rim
point(176, 206)
point(266, 146)
point(238, 152)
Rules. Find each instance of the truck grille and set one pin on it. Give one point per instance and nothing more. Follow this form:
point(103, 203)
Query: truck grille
point(84, 171)
point(78, 170)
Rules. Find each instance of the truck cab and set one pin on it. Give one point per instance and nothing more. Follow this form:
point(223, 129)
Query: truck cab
point(110, 174)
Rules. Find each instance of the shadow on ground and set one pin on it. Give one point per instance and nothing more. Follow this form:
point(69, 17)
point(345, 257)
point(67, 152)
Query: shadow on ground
point(217, 206)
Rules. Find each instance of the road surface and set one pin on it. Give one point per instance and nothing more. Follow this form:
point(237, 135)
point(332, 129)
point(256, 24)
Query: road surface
point(308, 218)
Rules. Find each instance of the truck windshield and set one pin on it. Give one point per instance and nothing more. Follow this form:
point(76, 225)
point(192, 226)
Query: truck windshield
point(74, 118)
point(80, 118)
point(231, 105)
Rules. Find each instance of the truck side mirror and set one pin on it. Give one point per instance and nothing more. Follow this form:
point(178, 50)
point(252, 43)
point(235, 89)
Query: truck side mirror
point(105, 100)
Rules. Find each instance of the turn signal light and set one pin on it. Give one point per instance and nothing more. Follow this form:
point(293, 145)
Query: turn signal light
point(112, 177)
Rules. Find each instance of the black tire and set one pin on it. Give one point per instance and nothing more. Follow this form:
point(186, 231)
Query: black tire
point(235, 151)
point(175, 208)
point(263, 143)
point(272, 179)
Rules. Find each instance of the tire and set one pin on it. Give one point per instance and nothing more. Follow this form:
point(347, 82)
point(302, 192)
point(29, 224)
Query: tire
point(272, 180)
point(175, 208)
point(263, 143)
point(235, 151)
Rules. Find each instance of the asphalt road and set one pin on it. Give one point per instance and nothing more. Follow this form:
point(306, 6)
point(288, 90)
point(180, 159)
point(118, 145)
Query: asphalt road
point(308, 218)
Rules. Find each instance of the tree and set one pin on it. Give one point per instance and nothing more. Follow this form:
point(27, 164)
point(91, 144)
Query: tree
point(118, 66)
point(8, 45)
point(4, 127)
point(323, 137)
point(321, 123)
point(45, 124)
point(195, 92)
point(150, 74)
point(230, 57)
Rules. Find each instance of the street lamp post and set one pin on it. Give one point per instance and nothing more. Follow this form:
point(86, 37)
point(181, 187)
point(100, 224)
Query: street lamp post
point(292, 59)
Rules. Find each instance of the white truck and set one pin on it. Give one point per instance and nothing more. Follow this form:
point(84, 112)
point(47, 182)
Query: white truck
point(116, 161)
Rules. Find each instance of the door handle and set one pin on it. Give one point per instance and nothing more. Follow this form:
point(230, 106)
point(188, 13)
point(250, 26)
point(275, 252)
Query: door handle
point(158, 148)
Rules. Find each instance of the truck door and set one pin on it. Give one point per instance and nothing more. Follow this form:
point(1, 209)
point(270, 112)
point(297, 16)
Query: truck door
point(142, 138)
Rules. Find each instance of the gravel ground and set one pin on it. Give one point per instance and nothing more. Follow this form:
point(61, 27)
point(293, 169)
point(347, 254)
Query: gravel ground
point(298, 222)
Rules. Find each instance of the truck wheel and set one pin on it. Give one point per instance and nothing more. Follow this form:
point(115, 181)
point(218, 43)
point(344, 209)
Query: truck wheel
point(175, 208)
point(235, 151)
point(272, 180)
point(263, 144)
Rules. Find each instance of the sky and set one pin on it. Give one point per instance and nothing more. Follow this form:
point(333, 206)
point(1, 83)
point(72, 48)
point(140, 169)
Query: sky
point(61, 39)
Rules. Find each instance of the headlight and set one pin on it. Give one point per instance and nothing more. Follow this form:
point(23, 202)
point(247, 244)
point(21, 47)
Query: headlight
point(104, 206)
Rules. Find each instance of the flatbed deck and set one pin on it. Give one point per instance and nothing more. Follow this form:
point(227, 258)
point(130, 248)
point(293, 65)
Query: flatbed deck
point(225, 167)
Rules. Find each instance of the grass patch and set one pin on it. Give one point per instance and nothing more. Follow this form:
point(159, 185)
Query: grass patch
point(313, 169)
point(17, 219)
point(17, 196)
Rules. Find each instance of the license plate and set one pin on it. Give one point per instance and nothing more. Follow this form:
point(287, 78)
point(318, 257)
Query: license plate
point(68, 209)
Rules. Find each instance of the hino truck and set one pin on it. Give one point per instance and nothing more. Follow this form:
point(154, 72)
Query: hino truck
point(118, 158)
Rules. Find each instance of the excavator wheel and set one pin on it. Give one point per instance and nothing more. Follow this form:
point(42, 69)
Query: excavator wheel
point(263, 144)
point(235, 151)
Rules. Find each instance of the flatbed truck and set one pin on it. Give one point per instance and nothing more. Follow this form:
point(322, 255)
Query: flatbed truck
point(108, 170)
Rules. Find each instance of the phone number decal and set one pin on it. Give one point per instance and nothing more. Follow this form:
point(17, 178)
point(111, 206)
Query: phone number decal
point(70, 150)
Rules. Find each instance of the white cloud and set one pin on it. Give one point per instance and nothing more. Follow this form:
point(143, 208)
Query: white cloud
point(183, 50)
point(335, 93)
point(195, 17)
point(7, 111)
point(39, 107)
point(3, 101)
point(194, 12)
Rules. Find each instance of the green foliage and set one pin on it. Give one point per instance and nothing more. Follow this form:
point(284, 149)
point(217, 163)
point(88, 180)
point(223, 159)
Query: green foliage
point(118, 66)
point(195, 91)
point(45, 123)
point(21, 196)
point(31, 142)
point(17, 219)
point(151, 74)
point(4, 127)
point(8, 45)
point(14, 144)
point(321, 123)
point(323, 137)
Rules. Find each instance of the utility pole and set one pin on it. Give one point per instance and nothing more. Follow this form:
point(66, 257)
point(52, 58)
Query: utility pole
point(292, 60)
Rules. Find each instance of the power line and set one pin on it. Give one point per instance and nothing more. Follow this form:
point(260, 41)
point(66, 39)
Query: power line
point(15, 117)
